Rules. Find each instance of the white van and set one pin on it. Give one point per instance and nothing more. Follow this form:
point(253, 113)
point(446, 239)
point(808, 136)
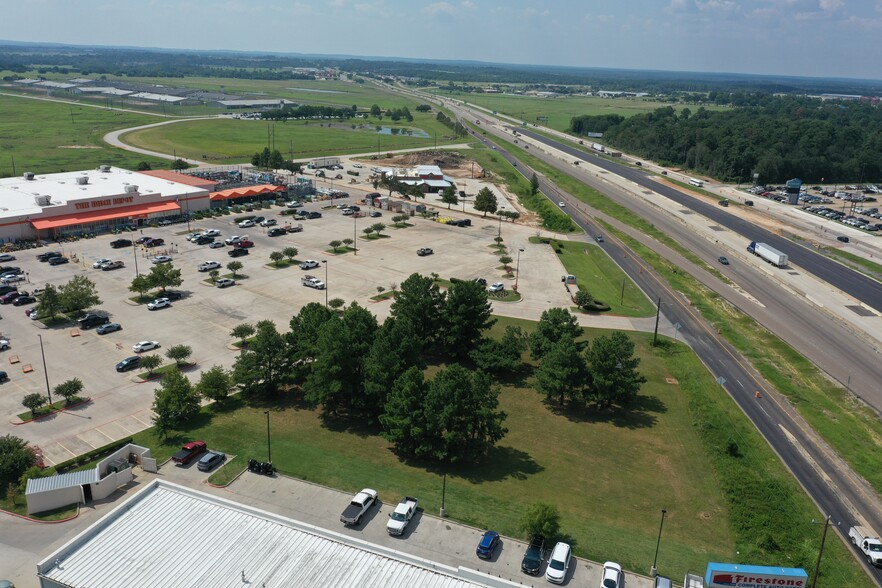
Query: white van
point(558, 563)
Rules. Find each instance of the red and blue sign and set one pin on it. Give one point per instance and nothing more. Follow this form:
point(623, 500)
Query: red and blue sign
point(720, 575)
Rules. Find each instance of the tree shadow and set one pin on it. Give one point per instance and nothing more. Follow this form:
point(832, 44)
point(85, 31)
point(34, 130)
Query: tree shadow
point(498, 464)
point(354, 426)
point(639, 414)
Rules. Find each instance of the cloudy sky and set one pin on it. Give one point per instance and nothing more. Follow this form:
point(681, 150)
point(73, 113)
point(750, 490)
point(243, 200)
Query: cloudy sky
point(818, 38)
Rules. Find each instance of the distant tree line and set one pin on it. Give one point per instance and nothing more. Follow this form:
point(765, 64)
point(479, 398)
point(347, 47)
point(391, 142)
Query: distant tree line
point(784, 138)
point(458, 129)
point(309, 111)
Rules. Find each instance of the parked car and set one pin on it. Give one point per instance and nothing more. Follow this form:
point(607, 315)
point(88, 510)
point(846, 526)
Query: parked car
point(120, 243)
point(276, 232)
point(487, 545)
point(10, 296)
point(143, 346)
point(308, 264)
point(207, 266)
point(22, 300)
point(424, 251)
point(611, 576)
point(203, 240)
point(246, 243)
point(141, 240)
point(268, 222)
point(210, 233)
point(4, 344)
point(58, 261)
point(237, 252)
point(234, 239)
point(224, 283)
point(154, 242)
point(210, 460)
point(92, 320)
point(128, 363)
point(112, 265)
point(6, 289)
point(172, 294)
point(7, 257)
point(534, 556)
point(189, 451)
point(159, 303)
point(347, 211)
point(98, 263)
point(496, 287)
point(358, 506)
point(161, 259)
point(245, 224)
point(558, 563)
point(216, 245)
point(294, 204)
point(108, 328)
point(313, 215)
point(376, 214)
point(48, 255)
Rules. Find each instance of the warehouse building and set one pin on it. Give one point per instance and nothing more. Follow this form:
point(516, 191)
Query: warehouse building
point(53, 205)
point(169, 535)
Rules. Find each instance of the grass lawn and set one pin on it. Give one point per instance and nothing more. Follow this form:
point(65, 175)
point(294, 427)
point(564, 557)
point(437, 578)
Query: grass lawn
point(20, 507)
point(383, 295)
point(230, 141)
point(161, 371)
point(282, 264)
point(48, 137)
point(603, 279)
point(44, 410)
point(228, 471)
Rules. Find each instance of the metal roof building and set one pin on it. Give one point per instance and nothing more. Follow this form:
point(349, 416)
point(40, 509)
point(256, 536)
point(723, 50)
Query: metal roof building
point(169, 535)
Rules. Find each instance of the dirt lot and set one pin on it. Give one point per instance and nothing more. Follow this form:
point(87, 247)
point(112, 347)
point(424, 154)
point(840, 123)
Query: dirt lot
point(204, 317)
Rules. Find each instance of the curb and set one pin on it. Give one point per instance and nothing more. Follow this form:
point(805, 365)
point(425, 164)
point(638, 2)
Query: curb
point(42, 522)
point(62, 409)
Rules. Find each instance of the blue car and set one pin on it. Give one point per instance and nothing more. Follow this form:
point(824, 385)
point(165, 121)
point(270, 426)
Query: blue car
point(488, 544)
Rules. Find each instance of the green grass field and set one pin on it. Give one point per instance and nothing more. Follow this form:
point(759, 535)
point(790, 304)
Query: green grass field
point(608, 473)
point(48, 137)
point(232, 141)
point(558, 110)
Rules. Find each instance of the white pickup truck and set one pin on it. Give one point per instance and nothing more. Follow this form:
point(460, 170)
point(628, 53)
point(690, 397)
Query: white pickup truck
point(400, 517)
point(312, 282)
point(359, 505)
point(867, 541)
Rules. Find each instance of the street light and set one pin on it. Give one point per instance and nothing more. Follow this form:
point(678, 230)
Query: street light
point(443, 512)
point(355, 234)
point(653, 571)
point(269, 451)
point(135, 255)
point(45, 370)
point(324, 261)
point(518, 269)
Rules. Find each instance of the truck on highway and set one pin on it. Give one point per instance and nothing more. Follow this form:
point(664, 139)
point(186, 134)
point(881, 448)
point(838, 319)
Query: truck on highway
point(868, 542)
point(359, 505)
point(768, 253)
point(400, 517)
point(597, 147)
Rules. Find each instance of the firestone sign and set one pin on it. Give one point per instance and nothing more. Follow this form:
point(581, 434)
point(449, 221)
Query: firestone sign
point(739, 576)
point(105, 202)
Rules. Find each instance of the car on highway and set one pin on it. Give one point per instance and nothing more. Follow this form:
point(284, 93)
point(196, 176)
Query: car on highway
point(120, 243)
point(245, 224)
point(599, 238)
point(237, 252)
point(159, 303)
point(562, 204)
point(161, 259)
point(487, 545)
point(216, 245)
point(611, 576)
point(558, 563)
point(128, 363)
point(207, 266)
point(142, 346)
point(496, 287)
point(308, 264)
point(58, 261)
point(224, 283)
point(7, 257)
point(108, 328)
point(424, 251)
point(842, 238)
point(723, 259)
point(210, 460)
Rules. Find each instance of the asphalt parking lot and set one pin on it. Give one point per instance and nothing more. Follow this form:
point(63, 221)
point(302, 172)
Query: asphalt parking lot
point(204, 317)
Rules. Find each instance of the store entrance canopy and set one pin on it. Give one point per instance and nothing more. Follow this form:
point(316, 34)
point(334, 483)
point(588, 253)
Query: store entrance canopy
point(94, 216)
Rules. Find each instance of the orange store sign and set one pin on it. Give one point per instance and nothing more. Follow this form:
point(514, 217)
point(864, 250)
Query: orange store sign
point(105, 202)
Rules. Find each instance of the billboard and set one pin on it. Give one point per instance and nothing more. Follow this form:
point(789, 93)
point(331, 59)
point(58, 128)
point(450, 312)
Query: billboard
point(720, 575)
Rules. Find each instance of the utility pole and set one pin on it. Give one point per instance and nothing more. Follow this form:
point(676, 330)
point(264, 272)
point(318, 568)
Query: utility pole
point(45, 370)
point(657, 313)
point(826, 524)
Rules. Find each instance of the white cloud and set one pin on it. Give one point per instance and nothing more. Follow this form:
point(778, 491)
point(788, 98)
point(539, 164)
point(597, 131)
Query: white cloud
point(439, 8)
point(468, 5)
point(831, 5)
point(677, 6)
point(722, 5)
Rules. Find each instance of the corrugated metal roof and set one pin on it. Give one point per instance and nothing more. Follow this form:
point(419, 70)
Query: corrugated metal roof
point(168, 535)
point(68, 480)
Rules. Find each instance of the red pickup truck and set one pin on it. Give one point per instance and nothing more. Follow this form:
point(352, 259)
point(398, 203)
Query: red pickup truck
point(190, 451)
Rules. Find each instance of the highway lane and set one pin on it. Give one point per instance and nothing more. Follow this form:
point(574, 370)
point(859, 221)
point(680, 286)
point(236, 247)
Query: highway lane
point(834, 488)
point(858, 285)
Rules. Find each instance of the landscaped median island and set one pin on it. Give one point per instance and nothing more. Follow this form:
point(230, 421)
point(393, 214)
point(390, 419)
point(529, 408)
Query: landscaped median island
point(601, 425)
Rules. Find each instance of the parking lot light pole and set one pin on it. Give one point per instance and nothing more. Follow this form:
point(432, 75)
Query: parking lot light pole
point(324, 261)
point(518, 269)
point(135, 255)
point(269, 451)
point(499, 214)
point(45, 370)
point(355, 234)
point(653, 571)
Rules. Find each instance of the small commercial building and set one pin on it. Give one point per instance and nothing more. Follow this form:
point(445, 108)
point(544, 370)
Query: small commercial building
point(53, 205)
point(247, 194)
point(169, 535)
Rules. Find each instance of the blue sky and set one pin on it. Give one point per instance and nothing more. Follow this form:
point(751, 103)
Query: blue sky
point(818, 38)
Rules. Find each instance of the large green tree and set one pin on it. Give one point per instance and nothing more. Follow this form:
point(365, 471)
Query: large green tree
point(501, 356)
point(485, 201)
point(449, 197)
point(304, 332)
point(215, 384)
point(141, 284)
point(404, 419)
point(174, 403)
point(15, 459)
point(466, 314)
point(613, 368)
point(396, 348)
point(78, 294)
point(420, 302)
point(265, 363)
point(164, 275)
point(561, 374)
point(554, 324)
point(49, 303)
